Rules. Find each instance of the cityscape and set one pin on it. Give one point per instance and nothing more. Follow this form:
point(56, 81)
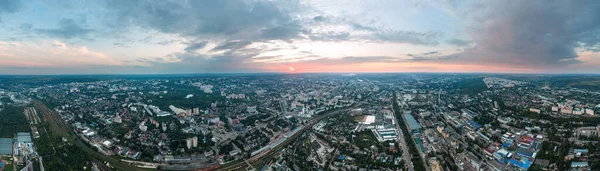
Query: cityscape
point(299, 85)
point(414, 121)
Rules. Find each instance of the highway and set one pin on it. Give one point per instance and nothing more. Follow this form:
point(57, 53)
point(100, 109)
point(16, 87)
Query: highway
point(268, 153)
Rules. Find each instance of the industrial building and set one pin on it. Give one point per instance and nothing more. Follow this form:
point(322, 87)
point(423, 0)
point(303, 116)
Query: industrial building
point(23, 137)
point(6, 146)
point(413, 125)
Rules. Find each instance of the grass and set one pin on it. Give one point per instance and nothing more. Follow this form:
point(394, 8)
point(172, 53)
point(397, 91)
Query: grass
point(8, 167)
point(365, 139)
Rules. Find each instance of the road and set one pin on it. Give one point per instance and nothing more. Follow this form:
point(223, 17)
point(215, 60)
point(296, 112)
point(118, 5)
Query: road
point(405, 153)
point(270, 152)
point(421, 154)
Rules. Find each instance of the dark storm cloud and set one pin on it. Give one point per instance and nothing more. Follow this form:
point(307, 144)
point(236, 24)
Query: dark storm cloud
point(67, 28)
point(195, 46)
point(535, 33)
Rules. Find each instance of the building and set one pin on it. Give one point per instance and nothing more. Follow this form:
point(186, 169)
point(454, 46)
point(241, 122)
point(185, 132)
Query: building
point(579, 164)
point(589, 111)
point(251, 109)
point(23, 137)
point(566, 111)
point(6, 146)
point(189, 143)
point(368, 120)
point(118, 119)
point(143, 127)
point(385, 134)
point(195, 142)
point(413, 125)
point(534, 110)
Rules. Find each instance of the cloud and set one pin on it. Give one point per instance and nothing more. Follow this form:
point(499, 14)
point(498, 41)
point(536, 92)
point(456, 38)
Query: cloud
point(232, 45)
point(167, 42)
point(67, 29)
point(200, 63)
point(458, 42)
point(118, 44)
point(233, 19)
point(60, 45)
point(284, 32)
point(535, 34)
point(430, 53)
point(428, 38)
point(330, 36)
point(9, 6)
point(432, 56)
point(195, 46)
point(319, 18)
point(43, 54)
point(369, 32)
point(25, 26)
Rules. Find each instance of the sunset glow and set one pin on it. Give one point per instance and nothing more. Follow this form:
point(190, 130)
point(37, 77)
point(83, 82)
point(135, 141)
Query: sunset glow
point(44, 37)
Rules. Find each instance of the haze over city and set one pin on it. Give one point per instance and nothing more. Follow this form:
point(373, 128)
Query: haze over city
point(165, 37)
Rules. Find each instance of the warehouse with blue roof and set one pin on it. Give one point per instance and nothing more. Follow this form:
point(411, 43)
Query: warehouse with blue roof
point(413, 125)
point(6, 145)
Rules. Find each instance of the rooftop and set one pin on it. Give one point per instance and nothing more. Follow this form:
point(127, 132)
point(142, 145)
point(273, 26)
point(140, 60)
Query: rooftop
point(23, 137)
point(412, 123)
point(6, 146)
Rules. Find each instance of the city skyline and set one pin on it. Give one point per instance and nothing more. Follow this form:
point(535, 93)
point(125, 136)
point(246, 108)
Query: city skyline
point(171, 37)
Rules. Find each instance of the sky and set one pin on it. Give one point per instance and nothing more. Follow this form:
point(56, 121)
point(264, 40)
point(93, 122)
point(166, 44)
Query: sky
point(350, 36)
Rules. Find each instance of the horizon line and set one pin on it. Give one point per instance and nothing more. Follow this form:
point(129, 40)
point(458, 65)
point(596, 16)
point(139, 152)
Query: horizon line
point(292, 73)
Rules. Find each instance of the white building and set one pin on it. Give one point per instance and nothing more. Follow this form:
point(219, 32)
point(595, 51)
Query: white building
point(589, 111)
point(189, 143)
point(195, 142)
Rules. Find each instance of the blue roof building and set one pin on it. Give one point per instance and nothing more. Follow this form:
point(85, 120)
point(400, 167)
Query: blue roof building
point(6, 145)
point(412, 122)
point(23, 137)
point(524, 165)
